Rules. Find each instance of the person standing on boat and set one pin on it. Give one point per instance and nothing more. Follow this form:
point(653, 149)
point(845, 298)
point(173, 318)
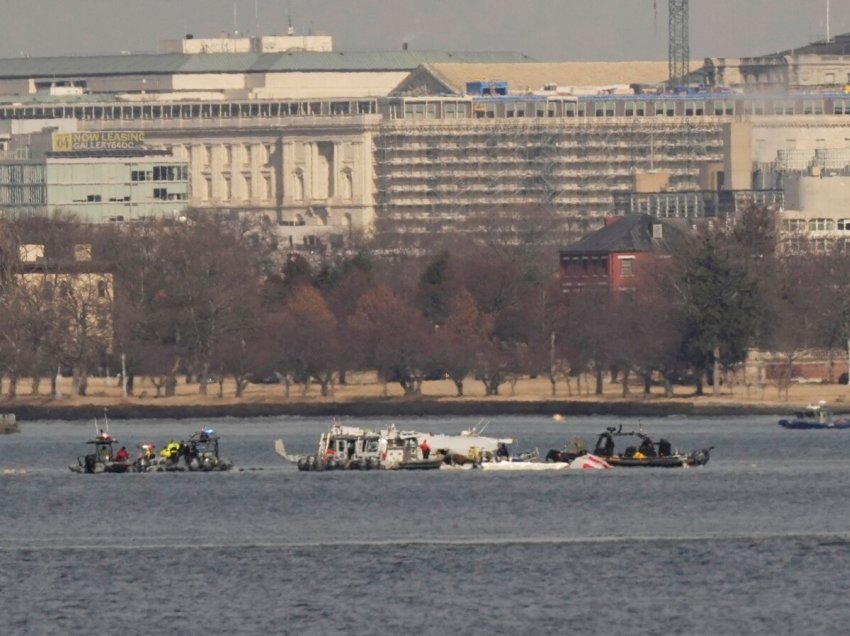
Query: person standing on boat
point(122, 455)
point(425, 448)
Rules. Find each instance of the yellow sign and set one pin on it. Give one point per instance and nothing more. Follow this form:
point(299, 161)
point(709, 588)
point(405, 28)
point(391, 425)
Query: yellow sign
point(81, 141)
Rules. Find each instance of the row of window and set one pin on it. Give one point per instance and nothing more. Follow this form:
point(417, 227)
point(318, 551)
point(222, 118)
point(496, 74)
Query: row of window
point(50, 291)
point(161, 173)
point(164, 195)
point(190, 111)
point(586, 266)
point(816, 225)
point(623, 108)
point(161, 194)
point(228, 152)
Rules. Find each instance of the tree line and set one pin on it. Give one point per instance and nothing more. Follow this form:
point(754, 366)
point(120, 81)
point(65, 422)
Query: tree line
point(214, 298)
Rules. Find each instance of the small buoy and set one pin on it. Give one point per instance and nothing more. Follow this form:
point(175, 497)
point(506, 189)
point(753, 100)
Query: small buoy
point(558, 417)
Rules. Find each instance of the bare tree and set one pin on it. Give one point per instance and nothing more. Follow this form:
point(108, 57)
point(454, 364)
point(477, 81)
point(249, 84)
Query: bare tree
point(392, 337)
point(464, 333)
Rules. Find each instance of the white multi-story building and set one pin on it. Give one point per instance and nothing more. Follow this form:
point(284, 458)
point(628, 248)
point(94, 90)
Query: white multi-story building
point(324, 144)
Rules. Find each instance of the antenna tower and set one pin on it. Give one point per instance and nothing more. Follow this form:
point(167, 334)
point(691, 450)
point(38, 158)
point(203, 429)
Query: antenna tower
point(679, 49)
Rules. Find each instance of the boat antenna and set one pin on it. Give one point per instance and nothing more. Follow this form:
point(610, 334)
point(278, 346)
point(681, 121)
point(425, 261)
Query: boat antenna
point(483, 427)
point(106, 420)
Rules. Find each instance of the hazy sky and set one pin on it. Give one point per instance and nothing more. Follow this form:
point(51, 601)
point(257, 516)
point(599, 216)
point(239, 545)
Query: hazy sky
point(545, 29)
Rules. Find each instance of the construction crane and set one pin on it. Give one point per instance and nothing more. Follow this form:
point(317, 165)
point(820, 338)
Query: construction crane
point(678, 48)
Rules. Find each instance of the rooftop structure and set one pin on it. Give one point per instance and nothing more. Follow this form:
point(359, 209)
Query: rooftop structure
point(532, 77)
point(254, 74)
point(407, 143)
point(253, 44)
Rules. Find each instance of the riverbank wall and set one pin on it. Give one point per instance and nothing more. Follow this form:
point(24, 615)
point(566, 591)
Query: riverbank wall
point(392, 408)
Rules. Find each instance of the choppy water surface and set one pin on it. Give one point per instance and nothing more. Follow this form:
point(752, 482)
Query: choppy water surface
point(758, 541)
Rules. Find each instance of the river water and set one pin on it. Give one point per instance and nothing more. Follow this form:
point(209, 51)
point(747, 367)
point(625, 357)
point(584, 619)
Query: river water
point(757, 541)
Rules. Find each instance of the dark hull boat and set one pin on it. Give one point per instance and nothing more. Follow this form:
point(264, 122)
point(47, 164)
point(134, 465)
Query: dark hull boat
point(647, 454)
point(815, 416)
point(422, 464)
point(103, 458)
point(199, 454)
point(697, 458)
point(802, 424)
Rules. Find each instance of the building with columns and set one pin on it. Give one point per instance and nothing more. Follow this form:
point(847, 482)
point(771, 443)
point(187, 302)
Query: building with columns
point(408, 144)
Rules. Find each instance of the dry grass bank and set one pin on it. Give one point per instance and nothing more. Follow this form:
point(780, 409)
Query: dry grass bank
point(365, 387)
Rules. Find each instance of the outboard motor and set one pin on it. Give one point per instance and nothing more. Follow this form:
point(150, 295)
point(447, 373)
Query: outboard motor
point(700, 457)
point(90, 463)
point(665, 449)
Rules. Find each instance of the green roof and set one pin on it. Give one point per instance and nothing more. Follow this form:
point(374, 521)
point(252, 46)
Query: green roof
point(175, 63)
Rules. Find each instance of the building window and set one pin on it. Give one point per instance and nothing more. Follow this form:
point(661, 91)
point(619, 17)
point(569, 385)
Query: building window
point(821, 225)
point(347, 185)
point(515, 109)
point(821, 246)
point(298, 183)
point(844, 225)
point(665, 108)
point(795, 225)
point(695, 108)
point(813, 107)
point(166, 173)
point(783, 107)
point(93, 198)
point(627, 266)
point(604, 109)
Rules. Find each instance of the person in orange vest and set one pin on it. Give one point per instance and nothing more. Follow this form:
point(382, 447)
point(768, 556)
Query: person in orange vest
point(426, 450)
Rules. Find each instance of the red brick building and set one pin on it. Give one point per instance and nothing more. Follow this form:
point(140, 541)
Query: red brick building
point(616, 255)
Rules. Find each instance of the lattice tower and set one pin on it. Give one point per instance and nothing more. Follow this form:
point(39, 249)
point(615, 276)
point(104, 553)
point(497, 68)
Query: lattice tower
point(679, 52)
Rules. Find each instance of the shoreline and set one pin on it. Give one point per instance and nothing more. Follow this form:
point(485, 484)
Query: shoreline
point(390, 408)
point(364, 396)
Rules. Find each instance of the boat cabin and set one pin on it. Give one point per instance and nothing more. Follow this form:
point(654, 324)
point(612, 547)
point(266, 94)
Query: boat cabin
point(347, 444)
